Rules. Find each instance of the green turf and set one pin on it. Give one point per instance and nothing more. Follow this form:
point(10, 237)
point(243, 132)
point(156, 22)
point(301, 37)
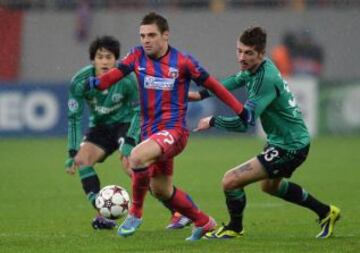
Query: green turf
point(44, 210)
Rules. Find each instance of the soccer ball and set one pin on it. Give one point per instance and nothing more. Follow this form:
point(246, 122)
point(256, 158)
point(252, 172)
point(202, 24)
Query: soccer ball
point(113, 202)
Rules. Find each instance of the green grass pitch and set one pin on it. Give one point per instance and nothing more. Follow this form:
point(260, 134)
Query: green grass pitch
point(44, 210)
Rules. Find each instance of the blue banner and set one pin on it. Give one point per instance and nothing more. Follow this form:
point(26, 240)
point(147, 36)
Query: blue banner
point(33, 110)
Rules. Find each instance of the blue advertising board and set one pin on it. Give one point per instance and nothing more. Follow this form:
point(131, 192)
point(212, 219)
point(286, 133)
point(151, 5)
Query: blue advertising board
point(34, 110)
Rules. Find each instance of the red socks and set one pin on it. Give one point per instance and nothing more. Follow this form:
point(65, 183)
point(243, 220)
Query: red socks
point(140, 185)
point(182, 203)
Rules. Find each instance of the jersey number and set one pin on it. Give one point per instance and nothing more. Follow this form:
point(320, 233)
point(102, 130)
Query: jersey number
point(270, 154)
point(169, 138)
point(121, 142)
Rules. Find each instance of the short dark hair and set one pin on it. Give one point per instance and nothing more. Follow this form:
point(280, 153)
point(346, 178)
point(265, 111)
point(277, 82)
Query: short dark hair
point(108, 42)
point(154, 18)
point(254, 36)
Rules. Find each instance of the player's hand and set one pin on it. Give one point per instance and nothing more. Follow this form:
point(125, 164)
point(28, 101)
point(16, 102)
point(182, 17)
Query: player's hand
point(126, 165)
point(203, 124)
point(194, 96)
point(70, 166)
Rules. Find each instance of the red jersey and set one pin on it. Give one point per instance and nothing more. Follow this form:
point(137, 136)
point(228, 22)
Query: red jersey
point(163, 86)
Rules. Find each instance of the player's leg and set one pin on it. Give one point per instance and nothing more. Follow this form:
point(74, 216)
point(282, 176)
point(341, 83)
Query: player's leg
point(233, 183)
point(85, 159)
point(143, 155)
point(177, 199)
point(283, 164)
point(100, 142)
point(294, 193)
point(126, 144)
point(177, 220)
point(161, 145)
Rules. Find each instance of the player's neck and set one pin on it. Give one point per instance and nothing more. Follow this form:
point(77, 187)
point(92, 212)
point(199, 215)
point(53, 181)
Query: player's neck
point(256, 67)
point(162, 53)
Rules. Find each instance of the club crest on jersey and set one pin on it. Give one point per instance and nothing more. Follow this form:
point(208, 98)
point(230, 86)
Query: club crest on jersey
point(73, 105)
point(173, 73)
point(158, 83)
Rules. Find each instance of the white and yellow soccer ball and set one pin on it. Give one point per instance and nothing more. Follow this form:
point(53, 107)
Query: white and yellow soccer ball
point(113, 202)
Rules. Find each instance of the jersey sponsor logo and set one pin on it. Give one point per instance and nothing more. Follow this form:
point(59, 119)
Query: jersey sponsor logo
point(158, 83)
point(73, 105)
point(106, 110)
point(141, 68)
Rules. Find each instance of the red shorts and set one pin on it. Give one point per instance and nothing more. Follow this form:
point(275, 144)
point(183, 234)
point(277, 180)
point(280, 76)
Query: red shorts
point(172, 143)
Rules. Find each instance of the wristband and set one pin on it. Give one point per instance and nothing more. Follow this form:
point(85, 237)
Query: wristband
point(130, 141)
point(212, 121)
point(204, 94)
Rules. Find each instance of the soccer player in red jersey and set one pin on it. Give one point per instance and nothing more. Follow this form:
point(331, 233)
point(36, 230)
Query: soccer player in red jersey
point(164, 75)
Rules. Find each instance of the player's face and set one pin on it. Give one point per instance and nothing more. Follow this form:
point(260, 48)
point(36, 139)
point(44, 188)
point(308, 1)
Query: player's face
point(104, 61)
point(248, 57)
point(153, 41)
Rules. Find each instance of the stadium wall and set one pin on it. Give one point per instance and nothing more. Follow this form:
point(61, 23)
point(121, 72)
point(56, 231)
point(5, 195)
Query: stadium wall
point(51, 51)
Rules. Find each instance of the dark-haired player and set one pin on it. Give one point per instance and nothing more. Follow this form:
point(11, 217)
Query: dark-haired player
point(164, 76)
point(288, 140)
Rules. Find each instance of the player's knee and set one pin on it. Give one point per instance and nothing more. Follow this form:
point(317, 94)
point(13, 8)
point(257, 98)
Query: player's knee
point(83, 161)
point(136, 160)
point(229, 182)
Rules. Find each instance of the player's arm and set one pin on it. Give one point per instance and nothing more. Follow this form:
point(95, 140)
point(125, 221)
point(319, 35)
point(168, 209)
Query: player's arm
point(133, 134)
point(253, 108)
point(125, 67)
point(201, 77)
point(74, 115)
point(232, 124)
point(230, 83)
